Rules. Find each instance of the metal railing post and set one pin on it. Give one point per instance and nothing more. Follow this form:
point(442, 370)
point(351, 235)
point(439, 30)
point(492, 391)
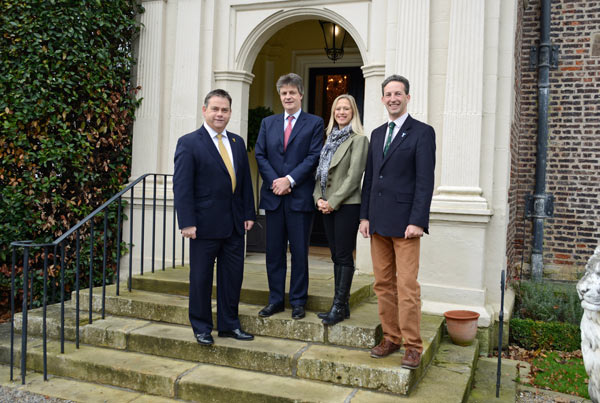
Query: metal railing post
point(12, 311)
point(62, 297)
point(45, 347)
point(24, 315)
point(77, 268)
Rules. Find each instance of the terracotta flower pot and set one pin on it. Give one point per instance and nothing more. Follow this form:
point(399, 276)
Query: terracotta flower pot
point(462, 326)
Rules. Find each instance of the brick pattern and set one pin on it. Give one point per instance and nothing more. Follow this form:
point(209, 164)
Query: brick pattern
point(514, 244)
point(573, 168)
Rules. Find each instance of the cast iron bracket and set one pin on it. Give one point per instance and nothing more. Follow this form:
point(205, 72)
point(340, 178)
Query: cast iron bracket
point(534, 57)
point(539, 206)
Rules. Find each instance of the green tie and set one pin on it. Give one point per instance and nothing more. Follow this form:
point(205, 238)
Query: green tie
point(226, 160)
point(389, 138)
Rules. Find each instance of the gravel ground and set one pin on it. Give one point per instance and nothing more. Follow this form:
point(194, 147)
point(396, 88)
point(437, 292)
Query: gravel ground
point(525, 396)
point(11, 395)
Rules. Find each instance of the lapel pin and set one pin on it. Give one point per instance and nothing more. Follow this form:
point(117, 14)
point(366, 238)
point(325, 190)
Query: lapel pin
point(403, 134)
point(233, 139)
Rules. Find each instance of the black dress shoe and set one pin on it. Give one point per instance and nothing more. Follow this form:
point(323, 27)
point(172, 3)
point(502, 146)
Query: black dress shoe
point(204, 338)
point(298, 312)
point(237, 334)
point(270, 309)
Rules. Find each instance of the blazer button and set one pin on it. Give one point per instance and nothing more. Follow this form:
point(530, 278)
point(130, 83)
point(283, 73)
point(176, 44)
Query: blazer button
point(379, 194)
point(329, 185)
point(380, 176)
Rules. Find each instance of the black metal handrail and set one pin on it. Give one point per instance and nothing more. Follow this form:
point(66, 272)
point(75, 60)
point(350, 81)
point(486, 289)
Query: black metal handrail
point(60, 243)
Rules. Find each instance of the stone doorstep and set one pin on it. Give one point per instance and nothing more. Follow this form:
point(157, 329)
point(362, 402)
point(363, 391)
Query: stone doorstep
point(272, 355)
point(173, 378)
point(355, 368)
point(190, 381)
point(74, 390)
point(361, 330)
point(447, 379)
point(255, 288)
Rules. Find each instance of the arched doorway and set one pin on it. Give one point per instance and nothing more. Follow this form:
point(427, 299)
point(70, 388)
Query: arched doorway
point(298, 47)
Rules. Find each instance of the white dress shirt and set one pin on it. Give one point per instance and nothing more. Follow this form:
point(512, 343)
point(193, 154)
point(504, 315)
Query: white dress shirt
point(225, 139)
point(399, 122)
point(285, 123)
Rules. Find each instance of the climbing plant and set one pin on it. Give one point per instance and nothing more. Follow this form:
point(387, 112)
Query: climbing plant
point(66, 111)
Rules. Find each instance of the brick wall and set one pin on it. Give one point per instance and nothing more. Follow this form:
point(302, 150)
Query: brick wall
point(573, 168)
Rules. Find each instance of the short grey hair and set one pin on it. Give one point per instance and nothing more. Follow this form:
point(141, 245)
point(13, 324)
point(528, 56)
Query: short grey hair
point(396, 77)
point(291, 79)
point(217, 93)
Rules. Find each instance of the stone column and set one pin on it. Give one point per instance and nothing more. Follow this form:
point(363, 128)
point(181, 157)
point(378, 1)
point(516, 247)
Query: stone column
point(452, 271)
point(155, 148)
point(185, 98)
point(408, 50)
point(460, 163)
point(237, 83)
point(148, 118)
point(373, 116)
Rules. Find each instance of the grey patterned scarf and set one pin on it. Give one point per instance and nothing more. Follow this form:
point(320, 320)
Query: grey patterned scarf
point(335, 138)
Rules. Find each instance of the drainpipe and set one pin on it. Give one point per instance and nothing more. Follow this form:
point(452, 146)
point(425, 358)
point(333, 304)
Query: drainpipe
point(540, 204)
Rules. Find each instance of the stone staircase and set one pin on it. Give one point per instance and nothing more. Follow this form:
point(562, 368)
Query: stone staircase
point(145, 344)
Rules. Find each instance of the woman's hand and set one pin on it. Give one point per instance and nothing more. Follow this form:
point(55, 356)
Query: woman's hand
point(323, 206)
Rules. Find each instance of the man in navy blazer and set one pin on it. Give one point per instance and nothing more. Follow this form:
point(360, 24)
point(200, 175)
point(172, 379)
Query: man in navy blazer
point(215, 205)
point(396, 199)
point(287, 153)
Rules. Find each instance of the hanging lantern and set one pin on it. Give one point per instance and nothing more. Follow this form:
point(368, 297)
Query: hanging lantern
point(334, 36)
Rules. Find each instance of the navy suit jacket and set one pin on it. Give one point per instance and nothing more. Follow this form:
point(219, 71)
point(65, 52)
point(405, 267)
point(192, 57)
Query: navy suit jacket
point(299, 160)
point(397, 188)
point(202, 186)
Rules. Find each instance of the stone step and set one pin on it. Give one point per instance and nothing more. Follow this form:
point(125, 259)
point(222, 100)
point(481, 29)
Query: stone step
point(73, 390)
point(255, 288)
point(341, 365)
point(355, 367)
point(172, 378)
point(448, 379)
point(362, 329)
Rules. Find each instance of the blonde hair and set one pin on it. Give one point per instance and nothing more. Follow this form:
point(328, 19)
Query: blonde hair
point(355, 122)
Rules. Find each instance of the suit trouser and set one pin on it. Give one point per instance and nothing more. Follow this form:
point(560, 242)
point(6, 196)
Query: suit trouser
point(284, 224)
point(396, 267)
point(229, 253)
point(341, 227)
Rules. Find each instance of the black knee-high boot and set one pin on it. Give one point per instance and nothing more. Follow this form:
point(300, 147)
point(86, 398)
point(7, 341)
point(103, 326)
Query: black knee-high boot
point(336, 281)
point(338, 310)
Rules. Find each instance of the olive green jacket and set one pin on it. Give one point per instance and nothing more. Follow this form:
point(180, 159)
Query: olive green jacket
point(345, 173)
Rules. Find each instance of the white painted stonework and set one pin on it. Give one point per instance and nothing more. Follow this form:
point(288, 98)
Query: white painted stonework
point(458, 55)
point(588, 289)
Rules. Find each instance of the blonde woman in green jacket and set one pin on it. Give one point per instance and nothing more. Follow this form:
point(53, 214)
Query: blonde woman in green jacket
point(337, 196)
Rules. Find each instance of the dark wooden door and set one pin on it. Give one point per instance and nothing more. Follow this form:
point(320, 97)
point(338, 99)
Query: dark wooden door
point(324, 86)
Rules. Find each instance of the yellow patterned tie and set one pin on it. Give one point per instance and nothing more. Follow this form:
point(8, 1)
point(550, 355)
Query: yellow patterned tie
point(226, 160)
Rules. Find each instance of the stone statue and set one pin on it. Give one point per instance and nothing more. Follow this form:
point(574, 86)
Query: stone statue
point(588, 289)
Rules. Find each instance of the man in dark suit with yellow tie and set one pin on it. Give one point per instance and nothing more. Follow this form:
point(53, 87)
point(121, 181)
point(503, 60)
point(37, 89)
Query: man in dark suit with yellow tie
point(215, 205)
point(396, 198)
point(287, 153)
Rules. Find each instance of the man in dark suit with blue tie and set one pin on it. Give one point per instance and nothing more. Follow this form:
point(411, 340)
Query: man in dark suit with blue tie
point(287, 152)
point(215, 205)
point(396, 198)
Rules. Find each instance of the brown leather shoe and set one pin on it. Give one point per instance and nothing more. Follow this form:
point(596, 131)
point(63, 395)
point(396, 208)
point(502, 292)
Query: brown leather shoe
point(384, 349)
point(412, 359)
